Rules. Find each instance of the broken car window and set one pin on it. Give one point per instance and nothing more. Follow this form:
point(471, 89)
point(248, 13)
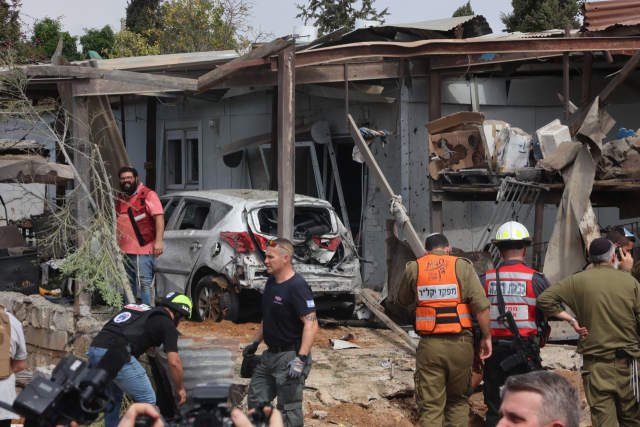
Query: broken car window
point(194, 216)
point(307, 222)
point(169, 208)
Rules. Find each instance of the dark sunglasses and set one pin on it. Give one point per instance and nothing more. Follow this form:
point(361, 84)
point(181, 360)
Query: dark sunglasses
point(273, 243)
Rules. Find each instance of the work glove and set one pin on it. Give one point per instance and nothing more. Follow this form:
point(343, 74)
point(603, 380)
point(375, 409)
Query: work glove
point(295, 368)
point(250, 349)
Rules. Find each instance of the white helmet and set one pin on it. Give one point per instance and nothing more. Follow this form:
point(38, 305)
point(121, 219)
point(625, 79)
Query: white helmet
point(512, 231)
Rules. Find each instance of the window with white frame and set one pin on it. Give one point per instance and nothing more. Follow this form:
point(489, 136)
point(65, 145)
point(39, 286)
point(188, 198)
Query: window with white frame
point(182, 162)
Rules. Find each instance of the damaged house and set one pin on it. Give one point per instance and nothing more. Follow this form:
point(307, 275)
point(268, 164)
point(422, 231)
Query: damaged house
point(470, 118)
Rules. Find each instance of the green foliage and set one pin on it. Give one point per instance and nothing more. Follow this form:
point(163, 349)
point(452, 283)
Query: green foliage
point(101, 41)
point(464, 10)
point(14, 46)
point(541, 15)
point(330, 15)
point(198, 26)
point(144, 17)
point(47, 32)
point(128, 44)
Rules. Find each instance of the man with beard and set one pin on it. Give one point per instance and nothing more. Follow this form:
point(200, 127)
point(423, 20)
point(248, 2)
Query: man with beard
point(140, 230)
point(142, 327)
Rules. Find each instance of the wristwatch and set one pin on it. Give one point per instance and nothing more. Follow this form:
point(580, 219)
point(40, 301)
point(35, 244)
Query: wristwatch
point(572, 321)
point(302, 357)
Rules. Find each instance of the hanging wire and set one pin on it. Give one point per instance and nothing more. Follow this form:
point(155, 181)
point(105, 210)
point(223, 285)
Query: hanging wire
point(462, 76)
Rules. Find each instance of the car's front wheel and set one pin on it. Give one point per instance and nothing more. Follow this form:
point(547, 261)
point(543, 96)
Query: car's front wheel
point(214, 302)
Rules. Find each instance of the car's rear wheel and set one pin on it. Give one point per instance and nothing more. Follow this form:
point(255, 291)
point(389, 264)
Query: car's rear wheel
point(214, 302)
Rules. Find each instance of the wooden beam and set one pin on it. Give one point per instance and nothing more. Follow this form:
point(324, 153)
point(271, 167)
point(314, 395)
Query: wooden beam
point(604, 96)
point(231, 65)
point(370, 301)
point(120, 76)
point(565, 77)
point(409, 232)
point(286, 141)
point(81, 142)
point(327, 38)
point(587, 63)
point(217, 76)
point(273, 153)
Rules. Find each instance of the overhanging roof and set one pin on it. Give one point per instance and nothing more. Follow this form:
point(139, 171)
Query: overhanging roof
point(170, 62)
point(606, 14)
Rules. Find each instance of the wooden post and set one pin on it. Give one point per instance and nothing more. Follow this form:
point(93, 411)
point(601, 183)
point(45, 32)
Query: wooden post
point(286, 141)
point(586, 80)
point(82, 305)
point(273, 153)
point(565, 76)
point(435, 112)
point(346, 94)
point(152, 109)
point(537, 232)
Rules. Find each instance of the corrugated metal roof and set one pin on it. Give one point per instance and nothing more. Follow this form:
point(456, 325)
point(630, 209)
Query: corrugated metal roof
point(170, 62)
point(606, 14)
point(204, 360)
point(473, 26)
point(537, 34)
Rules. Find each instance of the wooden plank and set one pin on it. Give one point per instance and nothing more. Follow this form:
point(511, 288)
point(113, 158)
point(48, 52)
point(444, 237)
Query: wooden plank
point(370, 301)
point(286, 141)
point(409, 232)
point(231, 65)
point(273, 153)
point(120, 76)
point(327, 38)
point(606, 93)
point(586, 80)
point(217, 76)
point(150, 164)
point(565, 76)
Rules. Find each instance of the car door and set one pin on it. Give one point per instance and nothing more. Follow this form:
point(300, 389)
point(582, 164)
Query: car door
point(184, 238)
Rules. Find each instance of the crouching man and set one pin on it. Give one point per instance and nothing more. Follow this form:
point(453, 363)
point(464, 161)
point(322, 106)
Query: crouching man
point(289, 326)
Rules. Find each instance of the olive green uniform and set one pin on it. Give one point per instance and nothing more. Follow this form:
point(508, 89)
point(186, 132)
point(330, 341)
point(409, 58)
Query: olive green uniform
point(606, 302)
point(443, 361)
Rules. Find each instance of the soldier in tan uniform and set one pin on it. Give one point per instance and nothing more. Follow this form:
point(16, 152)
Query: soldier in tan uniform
point(445, 289)
point(606, 302)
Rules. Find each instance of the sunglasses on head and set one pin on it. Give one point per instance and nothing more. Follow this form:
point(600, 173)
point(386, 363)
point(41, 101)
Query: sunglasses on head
point(273, 243)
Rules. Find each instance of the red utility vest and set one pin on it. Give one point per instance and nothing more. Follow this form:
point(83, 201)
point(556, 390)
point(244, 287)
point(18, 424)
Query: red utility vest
point(144, 226)
point(439, 309)
point(519, 298)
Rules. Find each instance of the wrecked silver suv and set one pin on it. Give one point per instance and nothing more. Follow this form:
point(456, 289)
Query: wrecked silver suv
point(214, 245)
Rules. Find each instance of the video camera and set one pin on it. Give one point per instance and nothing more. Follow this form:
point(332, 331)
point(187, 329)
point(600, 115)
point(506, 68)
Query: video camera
point(210, 410)
point(76, 391)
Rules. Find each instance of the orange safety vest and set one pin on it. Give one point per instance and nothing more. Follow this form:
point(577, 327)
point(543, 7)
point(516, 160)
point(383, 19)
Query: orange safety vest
point(439, 309)
point(144, 226)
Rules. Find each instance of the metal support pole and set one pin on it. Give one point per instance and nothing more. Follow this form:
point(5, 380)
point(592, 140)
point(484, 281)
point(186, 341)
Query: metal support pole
point(286, 142)
point(82, 305)
point(565, 75)
point(336, 176)
point(537, 232)
point(586, 80)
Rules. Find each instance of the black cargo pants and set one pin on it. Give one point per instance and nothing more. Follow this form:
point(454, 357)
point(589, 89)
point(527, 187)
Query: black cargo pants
point(494, 377)
point(271, 379)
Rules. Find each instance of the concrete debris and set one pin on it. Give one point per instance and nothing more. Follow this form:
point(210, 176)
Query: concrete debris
point(44, 372)
point(363, 313)
point(342, 345)
point(325, 398)
point(320, 415)
point(559, 358)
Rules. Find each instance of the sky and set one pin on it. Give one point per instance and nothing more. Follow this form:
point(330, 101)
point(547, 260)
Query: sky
point(278, 16)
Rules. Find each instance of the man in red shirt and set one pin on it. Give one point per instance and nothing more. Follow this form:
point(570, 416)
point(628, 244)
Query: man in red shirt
point(140, 230)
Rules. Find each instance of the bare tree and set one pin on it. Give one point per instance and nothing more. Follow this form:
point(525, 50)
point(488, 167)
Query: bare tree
point(96, 258)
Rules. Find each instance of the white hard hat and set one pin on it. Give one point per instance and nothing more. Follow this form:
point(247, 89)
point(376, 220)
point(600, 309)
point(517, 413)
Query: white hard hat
point(512, 231)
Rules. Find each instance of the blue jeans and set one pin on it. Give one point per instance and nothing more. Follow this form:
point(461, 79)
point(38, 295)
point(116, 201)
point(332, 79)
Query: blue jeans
point(140, 271)
point(132, 379)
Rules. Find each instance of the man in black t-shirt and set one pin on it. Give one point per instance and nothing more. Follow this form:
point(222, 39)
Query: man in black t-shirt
point(289, 326)
point(142, 327)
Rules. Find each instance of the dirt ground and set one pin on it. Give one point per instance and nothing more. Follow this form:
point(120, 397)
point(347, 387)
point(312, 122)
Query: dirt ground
point(369, 386)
